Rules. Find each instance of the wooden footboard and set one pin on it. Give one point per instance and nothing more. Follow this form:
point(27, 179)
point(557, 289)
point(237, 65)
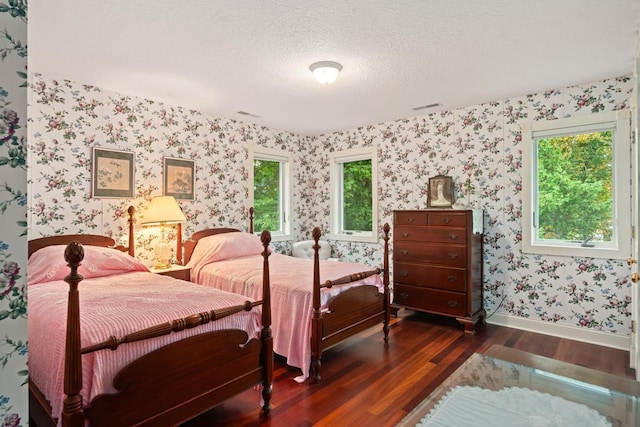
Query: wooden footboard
point(179, 381)
point(173, 383)
point(349, 312)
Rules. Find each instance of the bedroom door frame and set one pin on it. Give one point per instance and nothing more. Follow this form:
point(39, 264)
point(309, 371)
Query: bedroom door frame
point(634, 353)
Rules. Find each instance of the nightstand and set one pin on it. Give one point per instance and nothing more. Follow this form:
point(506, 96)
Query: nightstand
point(176, 271)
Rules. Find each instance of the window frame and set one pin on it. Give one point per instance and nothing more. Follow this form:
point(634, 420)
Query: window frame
point(620, 246)
point(336, 159)
point(256, 152)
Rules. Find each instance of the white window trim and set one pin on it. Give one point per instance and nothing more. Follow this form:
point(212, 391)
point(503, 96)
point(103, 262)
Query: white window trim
point(620, 248)
point(352, 155)
point(262, 153)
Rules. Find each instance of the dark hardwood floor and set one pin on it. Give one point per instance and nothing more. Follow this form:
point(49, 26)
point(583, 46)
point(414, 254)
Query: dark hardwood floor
point(366, 383)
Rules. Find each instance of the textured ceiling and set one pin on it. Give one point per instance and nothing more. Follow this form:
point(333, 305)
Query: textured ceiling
point(222, 57)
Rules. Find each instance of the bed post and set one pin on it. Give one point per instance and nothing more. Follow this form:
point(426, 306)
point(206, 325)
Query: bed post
point(316, 320)
point(179, 245)
point(251, 211)
point(131, 221)
point(72, 415)
point(385, 283)
point(267, 338)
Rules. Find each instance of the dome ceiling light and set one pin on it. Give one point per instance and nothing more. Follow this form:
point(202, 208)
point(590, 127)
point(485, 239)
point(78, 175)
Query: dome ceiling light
point(326, 72)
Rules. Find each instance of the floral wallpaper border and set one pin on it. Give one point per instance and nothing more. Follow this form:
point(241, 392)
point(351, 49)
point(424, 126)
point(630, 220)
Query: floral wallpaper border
point(13, 207)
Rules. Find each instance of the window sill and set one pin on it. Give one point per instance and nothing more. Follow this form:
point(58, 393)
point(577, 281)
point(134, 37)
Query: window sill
point(577, 251)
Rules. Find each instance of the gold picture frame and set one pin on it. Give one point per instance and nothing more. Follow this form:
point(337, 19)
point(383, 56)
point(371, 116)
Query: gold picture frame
point(112, 173)
point(440, 193)
point(179, 178)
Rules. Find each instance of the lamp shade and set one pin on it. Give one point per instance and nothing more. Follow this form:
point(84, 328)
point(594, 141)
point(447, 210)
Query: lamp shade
point(163, 210)
point(326, 72)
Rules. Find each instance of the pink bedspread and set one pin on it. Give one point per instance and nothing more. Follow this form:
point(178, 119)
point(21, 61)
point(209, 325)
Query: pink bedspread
point(291, 294)
point(116, 305)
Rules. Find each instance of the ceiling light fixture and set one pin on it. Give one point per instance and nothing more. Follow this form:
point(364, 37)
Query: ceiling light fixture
point(326, 72)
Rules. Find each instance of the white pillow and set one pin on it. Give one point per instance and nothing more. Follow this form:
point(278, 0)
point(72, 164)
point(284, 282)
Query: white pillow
point(304, 249)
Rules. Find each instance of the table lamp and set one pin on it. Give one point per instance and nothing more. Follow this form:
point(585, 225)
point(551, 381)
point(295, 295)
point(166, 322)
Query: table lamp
point(163, 210)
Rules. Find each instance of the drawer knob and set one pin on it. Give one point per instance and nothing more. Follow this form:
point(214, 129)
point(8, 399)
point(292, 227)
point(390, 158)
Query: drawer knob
point(411, 219)
point(452, 304)
point(405, 252)
point(405, 234)
point(453, 255)
point(404, 295)
point(404, 273)
point(453, 236)
point(452, 278)
point(446, 220)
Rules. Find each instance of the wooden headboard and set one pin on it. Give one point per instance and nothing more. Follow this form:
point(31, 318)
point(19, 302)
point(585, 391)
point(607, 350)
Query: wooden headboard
point(86, 239)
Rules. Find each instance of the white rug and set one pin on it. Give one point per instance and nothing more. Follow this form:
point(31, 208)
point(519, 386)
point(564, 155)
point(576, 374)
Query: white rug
point(514, 407)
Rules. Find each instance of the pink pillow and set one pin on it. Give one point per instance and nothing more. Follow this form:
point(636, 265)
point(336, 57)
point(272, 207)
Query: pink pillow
point(48, 264)
point(224, 246)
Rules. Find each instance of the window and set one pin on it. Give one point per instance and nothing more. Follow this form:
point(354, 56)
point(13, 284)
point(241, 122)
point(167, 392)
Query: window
point(577, 186)
point(270, 195)
point(354, 195)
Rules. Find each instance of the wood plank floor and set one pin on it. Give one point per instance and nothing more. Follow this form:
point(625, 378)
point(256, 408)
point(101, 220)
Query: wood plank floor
point(366, 383)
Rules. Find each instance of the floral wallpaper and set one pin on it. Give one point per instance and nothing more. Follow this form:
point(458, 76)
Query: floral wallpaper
point(68, 119)
point(479, 146)
point(13, 207)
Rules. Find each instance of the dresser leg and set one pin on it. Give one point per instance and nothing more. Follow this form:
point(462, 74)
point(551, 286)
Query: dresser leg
point(469, 323)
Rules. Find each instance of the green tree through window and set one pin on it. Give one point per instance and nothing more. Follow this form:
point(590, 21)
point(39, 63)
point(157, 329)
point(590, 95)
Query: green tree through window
point(357, 195)
point(575, 187)
point(266, 195)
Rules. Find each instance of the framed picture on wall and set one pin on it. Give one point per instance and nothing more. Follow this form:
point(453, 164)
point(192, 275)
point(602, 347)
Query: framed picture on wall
point(440, 193)
point(112, 173)
point(179, 178)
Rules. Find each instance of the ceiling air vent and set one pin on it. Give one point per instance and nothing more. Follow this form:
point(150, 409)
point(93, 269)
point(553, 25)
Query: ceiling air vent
point(423, 107)
point(244, 113)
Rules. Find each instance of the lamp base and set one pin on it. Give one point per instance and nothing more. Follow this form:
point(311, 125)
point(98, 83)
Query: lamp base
point(162, 255)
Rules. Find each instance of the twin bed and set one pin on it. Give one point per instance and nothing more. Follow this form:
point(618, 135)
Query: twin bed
point(182, 348)
point(316, 303)
point(150, 349)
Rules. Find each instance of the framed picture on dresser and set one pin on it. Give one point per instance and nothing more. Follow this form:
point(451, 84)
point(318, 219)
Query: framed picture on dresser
point(112, 173)
point(179, 178)
point(440, 194)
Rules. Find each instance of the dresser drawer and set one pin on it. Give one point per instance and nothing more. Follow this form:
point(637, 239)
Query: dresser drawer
point(452, 255)
point(409, 218)
point(447, 218)
point(451, 303)
point(445, 278)
point(431, 234)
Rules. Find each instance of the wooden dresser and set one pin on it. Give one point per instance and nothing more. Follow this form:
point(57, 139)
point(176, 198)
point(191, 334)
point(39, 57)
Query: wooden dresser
point(437, 263)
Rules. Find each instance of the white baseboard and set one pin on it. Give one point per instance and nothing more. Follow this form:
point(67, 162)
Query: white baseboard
point(622, 342)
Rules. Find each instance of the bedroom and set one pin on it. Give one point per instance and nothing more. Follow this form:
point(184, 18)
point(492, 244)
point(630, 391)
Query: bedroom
point(218, 144)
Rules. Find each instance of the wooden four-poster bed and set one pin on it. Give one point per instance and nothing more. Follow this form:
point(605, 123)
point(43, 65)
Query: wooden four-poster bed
point(184, 353)
point(316, 304)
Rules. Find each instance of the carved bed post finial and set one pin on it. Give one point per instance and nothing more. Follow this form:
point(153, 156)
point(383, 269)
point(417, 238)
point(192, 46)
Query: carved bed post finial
point(385, 282)
point(316, 320)
point(72, 414)
point(267, 338)
point(251, 211)
point(132, 246)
